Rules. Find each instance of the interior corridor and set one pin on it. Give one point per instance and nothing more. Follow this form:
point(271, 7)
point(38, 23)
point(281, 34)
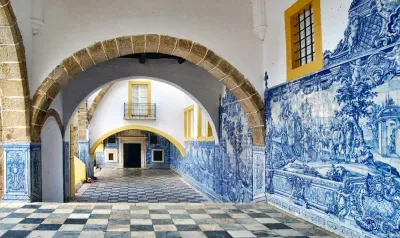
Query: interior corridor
point(135, 185)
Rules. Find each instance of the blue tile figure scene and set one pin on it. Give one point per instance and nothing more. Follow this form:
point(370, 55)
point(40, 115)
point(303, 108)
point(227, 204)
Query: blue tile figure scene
point(223, 171)
point(333, 138)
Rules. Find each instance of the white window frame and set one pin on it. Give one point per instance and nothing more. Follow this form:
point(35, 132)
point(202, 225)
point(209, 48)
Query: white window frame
point(152, 156)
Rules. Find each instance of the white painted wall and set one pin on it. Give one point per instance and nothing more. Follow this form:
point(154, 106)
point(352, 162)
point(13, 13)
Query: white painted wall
point(334, 22)
point(57, 105)
point(23, 10)
point(225, 26)
point(170, 104)
point(52, 165)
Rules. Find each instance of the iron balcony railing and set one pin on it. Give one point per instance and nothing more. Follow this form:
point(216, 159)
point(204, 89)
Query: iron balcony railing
point(140, 111)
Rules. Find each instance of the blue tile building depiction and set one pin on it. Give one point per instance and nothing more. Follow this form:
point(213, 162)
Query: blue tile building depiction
point(333, 137)
point(223, 171)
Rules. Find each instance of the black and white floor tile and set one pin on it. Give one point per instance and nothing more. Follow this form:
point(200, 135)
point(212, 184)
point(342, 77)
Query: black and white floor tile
point(191, 220)
point(133, 185)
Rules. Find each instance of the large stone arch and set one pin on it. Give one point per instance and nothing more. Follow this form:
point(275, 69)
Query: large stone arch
point(106, 50)
point(13, 78)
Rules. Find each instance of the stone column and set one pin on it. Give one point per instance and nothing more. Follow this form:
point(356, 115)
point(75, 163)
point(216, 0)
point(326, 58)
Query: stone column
point(83, 140)
point(17, 172)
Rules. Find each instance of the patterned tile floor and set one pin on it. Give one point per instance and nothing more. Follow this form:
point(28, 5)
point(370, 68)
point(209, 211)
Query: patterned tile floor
point(133, 185)
point(191, 220)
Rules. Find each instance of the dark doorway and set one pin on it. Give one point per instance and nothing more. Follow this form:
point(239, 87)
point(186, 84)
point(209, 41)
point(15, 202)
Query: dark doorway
point(132, 155)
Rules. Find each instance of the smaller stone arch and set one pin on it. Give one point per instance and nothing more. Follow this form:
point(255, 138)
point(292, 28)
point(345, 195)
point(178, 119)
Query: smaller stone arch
point(54, 113)
point(175, 142)
point(97, 101)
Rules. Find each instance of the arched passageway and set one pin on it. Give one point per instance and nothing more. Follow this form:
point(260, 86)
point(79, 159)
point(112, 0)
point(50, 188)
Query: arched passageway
point(106, 50)
point(52, 161)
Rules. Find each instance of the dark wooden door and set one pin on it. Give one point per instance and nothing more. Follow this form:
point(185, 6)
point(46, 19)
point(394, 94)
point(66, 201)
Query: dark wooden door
point(132, 155)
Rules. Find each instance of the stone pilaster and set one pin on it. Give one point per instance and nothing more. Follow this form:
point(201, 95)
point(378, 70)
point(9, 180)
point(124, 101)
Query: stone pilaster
point(67, 172)
point(258, 172)
point(17, 157)
point(36, 172)
point(84, 155)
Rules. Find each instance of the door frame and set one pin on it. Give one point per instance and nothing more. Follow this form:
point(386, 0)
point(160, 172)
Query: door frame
point(132, 140)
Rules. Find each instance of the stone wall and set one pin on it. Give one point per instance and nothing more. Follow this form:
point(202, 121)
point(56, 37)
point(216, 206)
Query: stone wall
point(333, 138)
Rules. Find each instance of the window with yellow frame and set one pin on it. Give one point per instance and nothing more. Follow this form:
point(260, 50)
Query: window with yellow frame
point(139, 98)
point(204, 127)
point(189, 123)
point(303, 38)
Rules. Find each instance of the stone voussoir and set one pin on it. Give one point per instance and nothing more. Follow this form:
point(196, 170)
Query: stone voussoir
point(210, 61)
point(83, 58)
point(124, 45)
point(167, 44)
point(71, 66)
point(111, 49)
point(183, 48)
point(96, 52)
point(152, 43)
point(139, 43)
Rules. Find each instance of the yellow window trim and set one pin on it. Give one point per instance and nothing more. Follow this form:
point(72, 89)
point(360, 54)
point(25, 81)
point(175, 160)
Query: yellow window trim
point(188, 123)
point(318, 63)
point(200, 137)
point(130, 84)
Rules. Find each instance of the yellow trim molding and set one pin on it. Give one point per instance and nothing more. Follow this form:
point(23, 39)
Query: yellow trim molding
point(130, 84)
point(188, 123)
point(175, 142)
point(294, 71)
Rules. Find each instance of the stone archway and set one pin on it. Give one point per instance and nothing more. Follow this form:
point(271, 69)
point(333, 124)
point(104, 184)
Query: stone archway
point(106, 50)
point(54, 113)
point(13, 78)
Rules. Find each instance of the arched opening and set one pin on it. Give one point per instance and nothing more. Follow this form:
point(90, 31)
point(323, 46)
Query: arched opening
point(52, 162)
point(193, 52)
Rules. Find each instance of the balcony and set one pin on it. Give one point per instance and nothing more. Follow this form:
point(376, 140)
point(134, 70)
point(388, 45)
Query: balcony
point(139, 111)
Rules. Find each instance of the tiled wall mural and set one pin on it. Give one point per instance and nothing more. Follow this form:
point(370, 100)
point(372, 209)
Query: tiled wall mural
point(224, 171)
point(162, 144)
point(333, 138)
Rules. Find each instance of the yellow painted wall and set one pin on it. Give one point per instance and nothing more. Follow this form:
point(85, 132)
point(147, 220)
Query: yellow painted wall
point(78, 174)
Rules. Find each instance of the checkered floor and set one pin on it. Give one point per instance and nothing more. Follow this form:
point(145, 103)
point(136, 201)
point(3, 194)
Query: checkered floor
point(151, 220)
point(133, 185)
